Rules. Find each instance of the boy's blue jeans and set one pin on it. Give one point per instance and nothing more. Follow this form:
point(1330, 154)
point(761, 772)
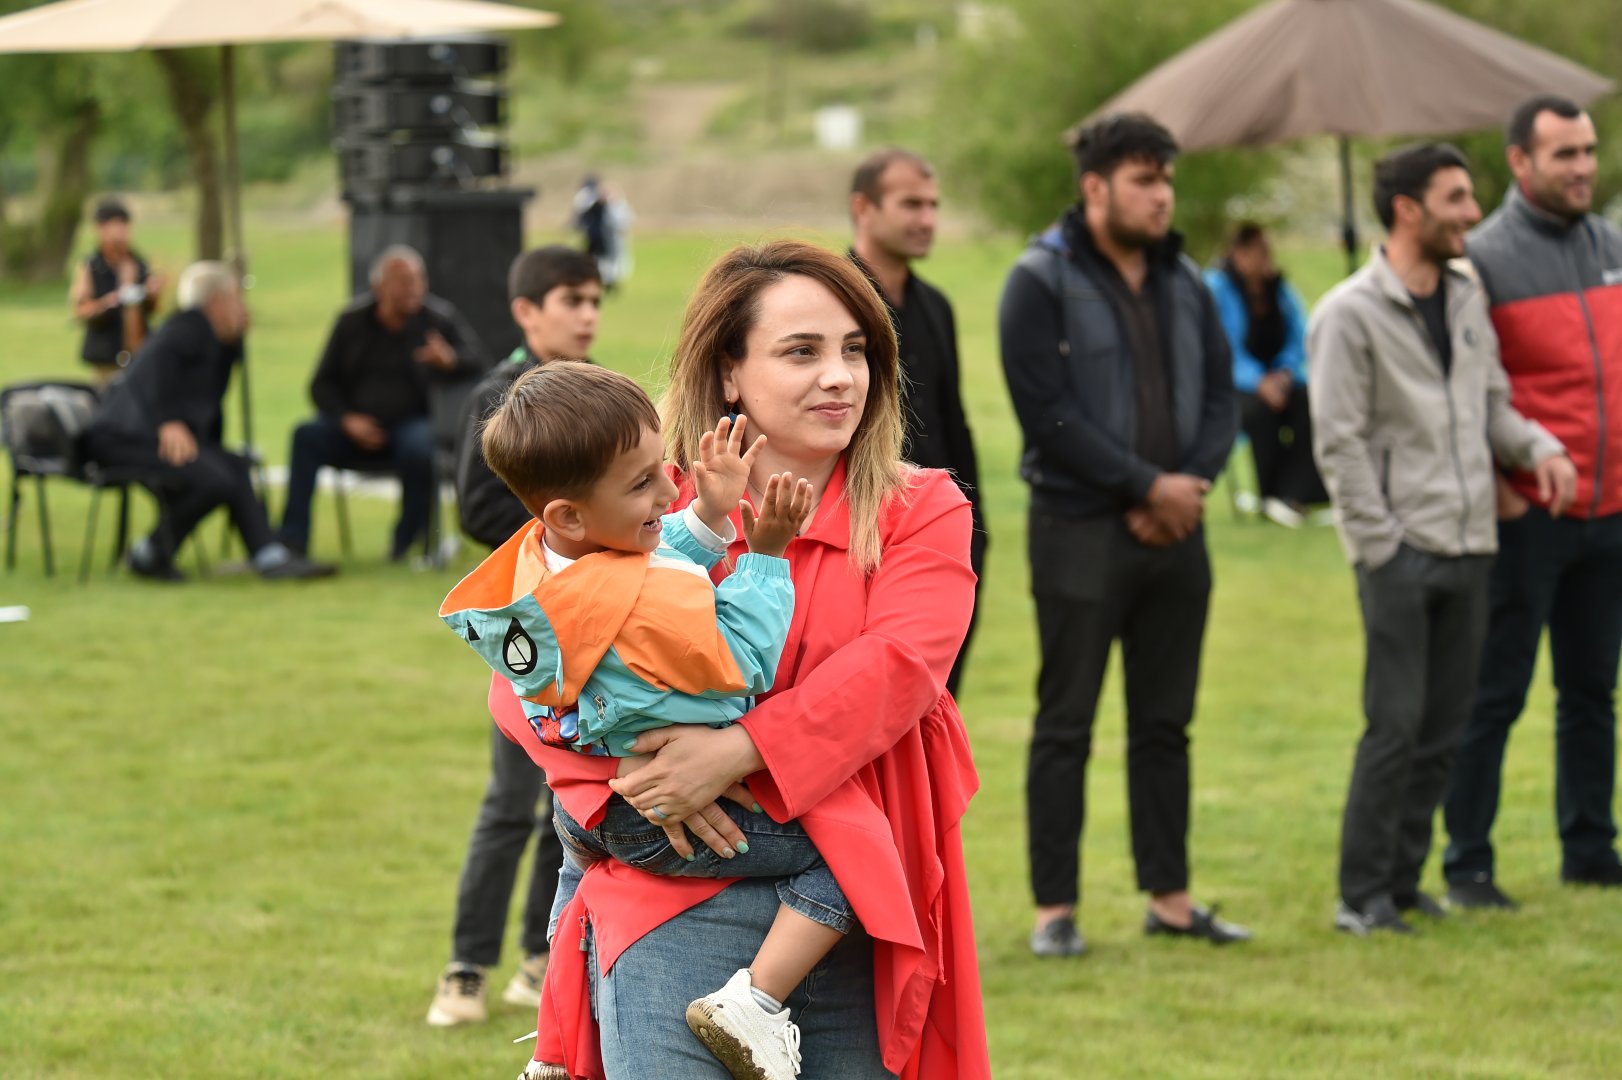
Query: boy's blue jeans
point(783, 852)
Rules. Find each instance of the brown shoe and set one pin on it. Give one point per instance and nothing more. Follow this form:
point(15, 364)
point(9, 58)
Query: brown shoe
point(525, 986)
point(460, 997)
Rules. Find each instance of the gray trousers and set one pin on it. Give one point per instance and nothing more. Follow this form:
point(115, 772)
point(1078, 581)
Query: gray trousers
point(1424, 619)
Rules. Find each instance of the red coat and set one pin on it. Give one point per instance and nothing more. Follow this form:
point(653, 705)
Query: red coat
point(865, 748)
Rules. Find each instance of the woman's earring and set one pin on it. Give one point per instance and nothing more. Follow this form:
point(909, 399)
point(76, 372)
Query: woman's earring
point(732, 411)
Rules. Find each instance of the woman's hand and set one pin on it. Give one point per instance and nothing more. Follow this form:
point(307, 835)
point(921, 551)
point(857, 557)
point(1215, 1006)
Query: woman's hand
point(712, 825)
point(721, 472)
point(691, 767)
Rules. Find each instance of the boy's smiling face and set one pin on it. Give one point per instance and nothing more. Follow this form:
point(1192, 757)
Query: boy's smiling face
point(622, 510)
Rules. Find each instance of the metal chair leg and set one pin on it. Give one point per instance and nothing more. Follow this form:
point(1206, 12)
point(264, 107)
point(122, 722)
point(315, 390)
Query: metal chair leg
point(89, 535)
point(121, 539)
point(343, 511)
point(45, 528)
point(11, 520)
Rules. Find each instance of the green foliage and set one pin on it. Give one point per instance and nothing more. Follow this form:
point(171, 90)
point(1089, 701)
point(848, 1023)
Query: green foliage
point(811, 26)
point(1007, 98)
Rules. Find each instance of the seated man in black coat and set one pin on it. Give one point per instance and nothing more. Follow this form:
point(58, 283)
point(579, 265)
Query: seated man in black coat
point(372, 387)
point(164, 417)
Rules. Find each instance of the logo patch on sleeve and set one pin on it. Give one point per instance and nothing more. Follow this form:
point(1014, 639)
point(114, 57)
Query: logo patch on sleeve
point(518, 650)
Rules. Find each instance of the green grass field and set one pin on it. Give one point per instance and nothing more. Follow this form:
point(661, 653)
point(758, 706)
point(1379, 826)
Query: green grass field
point(232, 814)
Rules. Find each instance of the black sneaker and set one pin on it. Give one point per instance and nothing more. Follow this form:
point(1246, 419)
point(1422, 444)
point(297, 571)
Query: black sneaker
point(1605, 877)
point(1479, 894)
point(143, 563)
point(1380, 916)
point(1058, 937)
point(297, 568)
point(1422, 903)
point(1203, 924)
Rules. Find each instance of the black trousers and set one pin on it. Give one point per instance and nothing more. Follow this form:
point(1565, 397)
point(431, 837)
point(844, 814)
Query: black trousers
point(190, 492)
point(1424, 618)
point(1567, 573)
point(1094, 584)
point(1281, 443)
point(977, 561)
point(517, 803)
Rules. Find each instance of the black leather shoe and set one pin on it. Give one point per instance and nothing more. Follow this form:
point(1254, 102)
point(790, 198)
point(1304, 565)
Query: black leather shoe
point(1421, 903)
point(1378, 916)
point(1202, 924)
point(1058, 937)
point(143, 563)
point(1479, 893)
point(1606, 877)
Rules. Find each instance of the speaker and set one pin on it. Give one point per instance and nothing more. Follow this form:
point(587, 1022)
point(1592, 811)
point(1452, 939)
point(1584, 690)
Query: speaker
point(467, 239)
point(441, 61)
point(376, 109)
point(367, 163)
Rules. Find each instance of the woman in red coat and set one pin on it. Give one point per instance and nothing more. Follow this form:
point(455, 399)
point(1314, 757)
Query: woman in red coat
point(858, 738)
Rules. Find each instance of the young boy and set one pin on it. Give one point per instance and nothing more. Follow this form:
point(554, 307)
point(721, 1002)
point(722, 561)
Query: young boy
point(602, 615)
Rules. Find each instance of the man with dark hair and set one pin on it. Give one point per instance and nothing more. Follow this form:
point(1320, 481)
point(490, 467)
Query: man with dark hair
point(1553, 275)
point(555, 295)
point(387, 352)
point(114, 294)
point(1410, 406)
point(1266, 323)
point(1120, 375)
point(164, 418)
point(894, 201)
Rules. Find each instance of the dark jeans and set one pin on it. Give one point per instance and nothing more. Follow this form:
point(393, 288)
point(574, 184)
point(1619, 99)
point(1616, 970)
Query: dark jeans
point(507, 817)
point(409, 453)
point(1281, 443)
point(188, 493)
point(1424, 617)
point(1566, 573)
point(780, 851)
point(1094, 584)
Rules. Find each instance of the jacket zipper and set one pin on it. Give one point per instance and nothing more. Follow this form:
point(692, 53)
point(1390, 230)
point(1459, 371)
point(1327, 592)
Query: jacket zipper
point(1599, 390)
point(1452, 427)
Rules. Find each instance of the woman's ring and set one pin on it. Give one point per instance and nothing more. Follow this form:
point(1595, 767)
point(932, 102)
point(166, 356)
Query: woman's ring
point(659, 811)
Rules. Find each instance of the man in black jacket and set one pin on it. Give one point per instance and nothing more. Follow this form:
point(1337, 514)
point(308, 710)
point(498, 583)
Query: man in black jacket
point(164, 418)
point(1120, 375)
point(894, 200)
point(555, 294)
point(371, 388)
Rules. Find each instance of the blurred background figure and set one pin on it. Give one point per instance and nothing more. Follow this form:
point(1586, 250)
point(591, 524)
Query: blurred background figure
point(1266, 324)
point(615, 265)
point(114, 293)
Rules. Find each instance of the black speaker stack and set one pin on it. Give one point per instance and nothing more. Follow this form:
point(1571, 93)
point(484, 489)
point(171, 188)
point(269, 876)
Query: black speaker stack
point(423, 161)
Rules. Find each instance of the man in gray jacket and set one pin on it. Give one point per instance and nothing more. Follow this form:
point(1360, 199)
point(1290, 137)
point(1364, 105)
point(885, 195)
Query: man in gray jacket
point(1410, 405)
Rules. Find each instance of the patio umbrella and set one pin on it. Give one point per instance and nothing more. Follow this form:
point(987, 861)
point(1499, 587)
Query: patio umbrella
point(1293, 68)
point(127, 25)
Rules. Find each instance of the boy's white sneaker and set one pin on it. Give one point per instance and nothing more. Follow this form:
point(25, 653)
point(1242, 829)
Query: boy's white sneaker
point(752, 1043)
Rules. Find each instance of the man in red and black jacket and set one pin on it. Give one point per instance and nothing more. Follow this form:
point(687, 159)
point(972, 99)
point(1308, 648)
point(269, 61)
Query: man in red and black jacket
point(1553, 273)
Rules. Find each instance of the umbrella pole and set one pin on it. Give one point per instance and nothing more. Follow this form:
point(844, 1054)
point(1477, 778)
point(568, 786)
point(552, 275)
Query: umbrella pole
point(239, 257)
point(1348, 229)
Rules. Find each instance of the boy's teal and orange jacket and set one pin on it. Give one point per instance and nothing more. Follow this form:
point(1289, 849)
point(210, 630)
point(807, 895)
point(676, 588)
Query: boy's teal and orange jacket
point(638, 641)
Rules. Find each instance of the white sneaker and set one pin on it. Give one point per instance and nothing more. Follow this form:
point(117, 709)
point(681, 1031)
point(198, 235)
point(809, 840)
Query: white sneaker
point(524, 988)
point(459, 998)
point(1282, 513)
point(752, 1043)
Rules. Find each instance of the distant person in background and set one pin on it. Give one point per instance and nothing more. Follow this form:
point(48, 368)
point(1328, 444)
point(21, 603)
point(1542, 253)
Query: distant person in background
point(894, 203)
point(164, 417)
point(590, 218)
point(1412, 406)
point(615, 266)
point(114, 294)
point(555, 296)
point(372, 390)
point(1266, 325)
point(1553, 273)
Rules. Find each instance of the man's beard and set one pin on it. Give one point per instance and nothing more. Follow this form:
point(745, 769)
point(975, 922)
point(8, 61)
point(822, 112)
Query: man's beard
point(1553, 199)
point(1123, 236)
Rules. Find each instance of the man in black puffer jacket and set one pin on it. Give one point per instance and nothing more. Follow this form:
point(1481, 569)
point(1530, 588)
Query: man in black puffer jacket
point(1121, 377)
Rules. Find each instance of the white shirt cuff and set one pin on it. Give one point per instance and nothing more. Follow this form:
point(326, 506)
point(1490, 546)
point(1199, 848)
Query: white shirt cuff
point(707, 537)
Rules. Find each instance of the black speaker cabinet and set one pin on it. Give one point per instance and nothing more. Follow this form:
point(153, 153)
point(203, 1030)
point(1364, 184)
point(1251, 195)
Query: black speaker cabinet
point(441, 61)
point(376, 109)
point(396, 158)
point(468, 239)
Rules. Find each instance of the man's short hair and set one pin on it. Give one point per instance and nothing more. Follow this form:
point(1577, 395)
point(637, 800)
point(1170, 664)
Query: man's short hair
point(560, 428)
point(869, 176)
point(392, 254)
point(535, 273)
point(111, 209)
point(1103, 145)
point(1525, 117)
point(1407, 170)
point(203, 281)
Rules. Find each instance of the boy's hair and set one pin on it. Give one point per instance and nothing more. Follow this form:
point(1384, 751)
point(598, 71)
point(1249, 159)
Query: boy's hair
point(560, 428)
point(1408, 171)
point(535, 273)
point(1104, 145)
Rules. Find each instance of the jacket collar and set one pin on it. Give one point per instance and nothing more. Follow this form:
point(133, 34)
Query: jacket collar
point(1460, 279)
point(1072, 236)
point(1530, 213)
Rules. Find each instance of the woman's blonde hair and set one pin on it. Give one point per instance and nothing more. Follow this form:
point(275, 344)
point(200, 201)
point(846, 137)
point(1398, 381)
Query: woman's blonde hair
point(715, 330)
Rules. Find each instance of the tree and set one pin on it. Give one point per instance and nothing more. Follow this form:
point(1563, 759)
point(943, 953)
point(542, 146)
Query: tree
point(191, 78)
point(51, 106)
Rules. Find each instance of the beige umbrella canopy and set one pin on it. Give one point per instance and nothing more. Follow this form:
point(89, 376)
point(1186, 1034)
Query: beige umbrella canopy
point(1293, 68)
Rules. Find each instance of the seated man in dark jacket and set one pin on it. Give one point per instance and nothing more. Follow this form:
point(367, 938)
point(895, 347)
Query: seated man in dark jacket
point(371, 389)
point(164, 417)
point(555, 293)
